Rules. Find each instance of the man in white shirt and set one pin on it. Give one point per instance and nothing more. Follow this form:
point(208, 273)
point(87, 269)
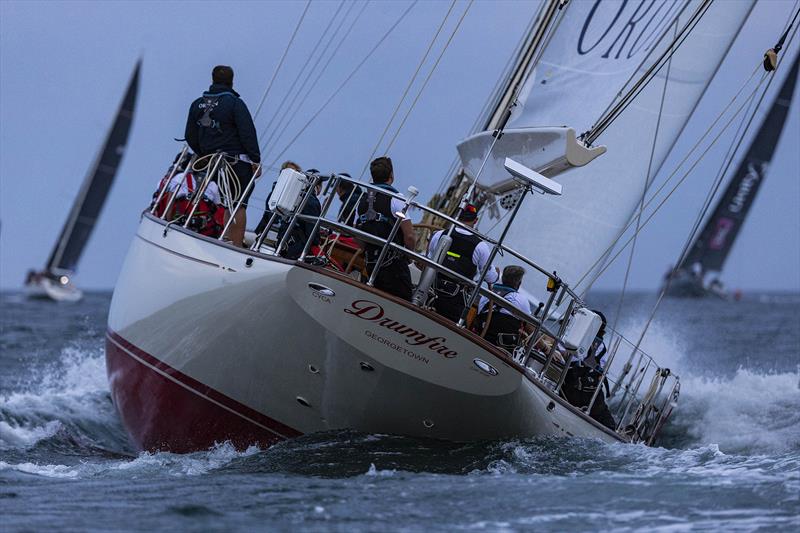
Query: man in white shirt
point(503, 327)
point(467, 255)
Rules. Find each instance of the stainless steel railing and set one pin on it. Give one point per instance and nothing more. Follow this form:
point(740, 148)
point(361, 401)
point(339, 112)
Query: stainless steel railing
point(638, 413)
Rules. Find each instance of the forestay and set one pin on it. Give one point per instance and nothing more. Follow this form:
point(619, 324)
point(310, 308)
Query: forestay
point(595, 50)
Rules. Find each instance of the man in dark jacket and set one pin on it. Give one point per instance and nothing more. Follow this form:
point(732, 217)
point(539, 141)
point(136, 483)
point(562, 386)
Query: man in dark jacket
point(219, 121)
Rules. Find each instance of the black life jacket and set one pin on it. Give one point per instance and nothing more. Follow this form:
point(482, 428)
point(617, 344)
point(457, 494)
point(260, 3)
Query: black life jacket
point(375, 215)
point(500, 323)
point(459, 256)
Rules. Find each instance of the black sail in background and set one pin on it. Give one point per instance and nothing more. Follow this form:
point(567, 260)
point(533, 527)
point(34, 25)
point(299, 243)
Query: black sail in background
point(716, 240)
point(96, 186)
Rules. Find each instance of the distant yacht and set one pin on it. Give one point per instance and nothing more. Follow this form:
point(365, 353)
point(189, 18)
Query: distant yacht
point(698, 274)
point(55, 281)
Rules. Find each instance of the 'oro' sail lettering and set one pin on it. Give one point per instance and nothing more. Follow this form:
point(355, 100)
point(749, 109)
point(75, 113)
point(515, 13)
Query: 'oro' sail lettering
point(638, 27)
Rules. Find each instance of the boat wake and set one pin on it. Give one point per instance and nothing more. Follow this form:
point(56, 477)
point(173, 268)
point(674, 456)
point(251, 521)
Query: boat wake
point(62, 424)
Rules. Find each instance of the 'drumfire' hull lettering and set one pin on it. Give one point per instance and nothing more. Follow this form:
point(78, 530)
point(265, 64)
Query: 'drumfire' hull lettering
point(373, 312)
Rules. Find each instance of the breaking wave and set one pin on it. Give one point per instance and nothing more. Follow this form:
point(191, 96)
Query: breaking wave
point(746, 412)
point(161, 463)
point(64, 411)
point(63, 405)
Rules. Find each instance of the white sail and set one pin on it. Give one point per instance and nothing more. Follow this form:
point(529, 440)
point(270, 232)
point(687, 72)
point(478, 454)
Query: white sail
point(595, 50)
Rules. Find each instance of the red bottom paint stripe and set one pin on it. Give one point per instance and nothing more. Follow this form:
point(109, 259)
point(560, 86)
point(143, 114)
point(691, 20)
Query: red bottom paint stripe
point(163, 408)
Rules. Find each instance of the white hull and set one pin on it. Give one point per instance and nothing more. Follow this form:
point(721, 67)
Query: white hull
point(203, 347)
point(45, 288)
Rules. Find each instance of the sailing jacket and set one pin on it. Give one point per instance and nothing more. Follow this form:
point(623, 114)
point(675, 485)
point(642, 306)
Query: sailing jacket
point(220, 121)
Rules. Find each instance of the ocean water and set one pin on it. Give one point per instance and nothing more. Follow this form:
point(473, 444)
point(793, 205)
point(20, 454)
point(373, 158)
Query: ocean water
point(729, 458)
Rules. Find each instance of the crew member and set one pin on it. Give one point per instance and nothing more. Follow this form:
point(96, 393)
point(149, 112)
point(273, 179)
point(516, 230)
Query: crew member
point(262, 224)
point(584, 377)
point(502, 327)
point(348, 194)
point(467, 255)
point(219, 121)
point(377, 213)
point(302, 230)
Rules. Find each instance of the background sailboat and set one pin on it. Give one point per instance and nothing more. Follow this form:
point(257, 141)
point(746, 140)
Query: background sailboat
point(697, 274)
point(54, 281)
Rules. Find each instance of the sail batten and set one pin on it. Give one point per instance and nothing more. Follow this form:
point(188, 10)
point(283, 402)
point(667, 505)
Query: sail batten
point(95, 187)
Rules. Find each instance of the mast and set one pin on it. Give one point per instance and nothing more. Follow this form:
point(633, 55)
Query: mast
point(504, 98)
point(714, 242)
point(518, 74)
point(96, 186)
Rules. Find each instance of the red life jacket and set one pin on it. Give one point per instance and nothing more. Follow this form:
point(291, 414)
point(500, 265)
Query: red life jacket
point(208, 219)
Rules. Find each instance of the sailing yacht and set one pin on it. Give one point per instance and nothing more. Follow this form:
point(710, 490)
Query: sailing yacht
point(697, 275)
point(55, 281)
point(208, 342)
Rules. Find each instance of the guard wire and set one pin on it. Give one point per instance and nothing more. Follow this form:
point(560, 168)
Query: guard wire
point(272, 124)
point(408, 88)
point(429, 76)
point(280, 63)
point(346, 80)
point(310, 87)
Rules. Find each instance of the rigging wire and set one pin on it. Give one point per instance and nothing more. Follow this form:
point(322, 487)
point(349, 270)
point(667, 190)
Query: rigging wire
point(697, 144)
point(718, 181)
point(430, 74)
point(679, 183)
point(635, 72)
point(494, 96)
point(277, 126)
point(608, 250)
point(552, 24)
point(280, 63)
point(346, 80)
point(607, 119)
point(272, 123)
point(647, 183)
point(723, 168)
point(322, 71)
point(408, 88)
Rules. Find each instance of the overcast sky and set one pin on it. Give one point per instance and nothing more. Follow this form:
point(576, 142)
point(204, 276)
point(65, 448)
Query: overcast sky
point(64, 66)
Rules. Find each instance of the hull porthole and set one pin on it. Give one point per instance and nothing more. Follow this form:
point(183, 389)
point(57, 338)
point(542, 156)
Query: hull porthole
point(485, 367)
point(321, 289)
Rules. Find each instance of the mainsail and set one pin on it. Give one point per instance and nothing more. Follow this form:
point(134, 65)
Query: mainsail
point(719, 233)
point(594, 51)
point(94, 190)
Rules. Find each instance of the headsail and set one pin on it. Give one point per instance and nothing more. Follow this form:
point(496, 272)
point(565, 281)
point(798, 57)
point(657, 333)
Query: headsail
point(595, 50)
point(92, 195)
point(719, 233)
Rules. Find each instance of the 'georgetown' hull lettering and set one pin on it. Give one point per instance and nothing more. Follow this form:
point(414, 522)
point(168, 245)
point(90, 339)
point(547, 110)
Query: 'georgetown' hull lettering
point(367, 310)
